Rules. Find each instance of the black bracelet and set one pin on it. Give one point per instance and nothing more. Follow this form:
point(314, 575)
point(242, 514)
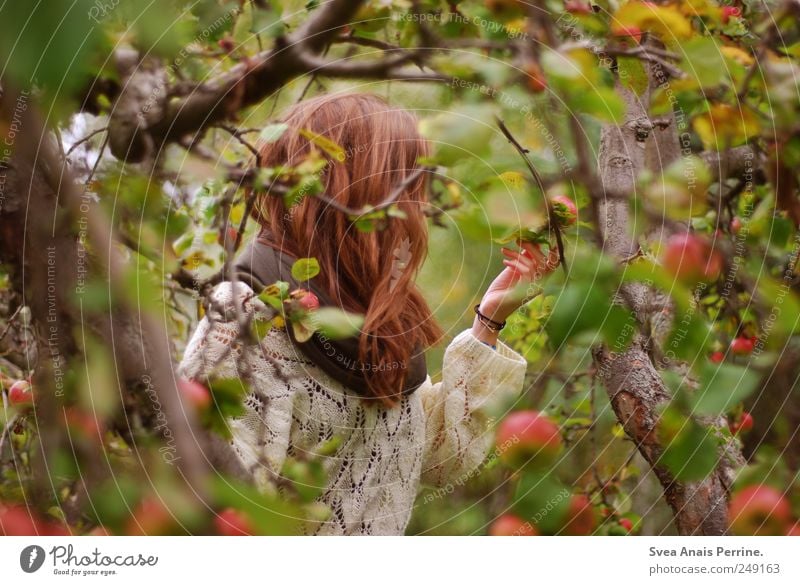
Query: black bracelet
point(493, 325)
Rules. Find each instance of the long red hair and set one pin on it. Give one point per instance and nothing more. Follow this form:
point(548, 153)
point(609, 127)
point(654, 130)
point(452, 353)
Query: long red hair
point(368, 272)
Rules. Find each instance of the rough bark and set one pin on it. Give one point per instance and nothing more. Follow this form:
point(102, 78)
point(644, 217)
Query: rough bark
point(148, 120)
point(43, 213)
point(633, 383)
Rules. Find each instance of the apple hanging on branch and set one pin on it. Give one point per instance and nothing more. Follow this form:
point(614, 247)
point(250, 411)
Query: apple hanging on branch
point(529, 439)
point(512, 525)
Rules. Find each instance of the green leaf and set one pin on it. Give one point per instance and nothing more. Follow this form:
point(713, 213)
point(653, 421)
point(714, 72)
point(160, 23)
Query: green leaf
point(305, 269)
point(260, 328)
point(601, 102)
point(270, 516)
point(272, 132)
point(302, 330)
point(633, 74)
point(53, 44)
point(722, 387)
point(580, 307)
point(459, 134)
point(618, 328)
point(541, 499)
point(523, 235)
point(112, 501)
point(690, 335)
point(228, 401)
point(335, 323)
point(703, 60)
point(275, 294)
point(692, 454)
point(99, 391)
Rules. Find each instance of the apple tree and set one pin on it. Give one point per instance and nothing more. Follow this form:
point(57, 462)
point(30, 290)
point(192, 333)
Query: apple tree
point(651, 144)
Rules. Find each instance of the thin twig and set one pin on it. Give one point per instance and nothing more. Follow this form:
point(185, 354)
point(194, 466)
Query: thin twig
point(97, 161)
point(239, 136)
point(9, 323)
point(523, 152)
point(85, 139)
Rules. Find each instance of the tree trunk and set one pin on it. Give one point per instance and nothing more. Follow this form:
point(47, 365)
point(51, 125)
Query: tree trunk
point(634, 386)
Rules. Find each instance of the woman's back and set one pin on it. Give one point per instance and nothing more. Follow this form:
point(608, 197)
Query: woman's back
point(438, 434)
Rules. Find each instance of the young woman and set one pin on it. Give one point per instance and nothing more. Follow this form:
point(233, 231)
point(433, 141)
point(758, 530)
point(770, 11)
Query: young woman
point(396, 428)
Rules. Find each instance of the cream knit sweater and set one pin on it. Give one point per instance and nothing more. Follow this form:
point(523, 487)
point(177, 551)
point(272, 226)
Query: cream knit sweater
point(438, 434)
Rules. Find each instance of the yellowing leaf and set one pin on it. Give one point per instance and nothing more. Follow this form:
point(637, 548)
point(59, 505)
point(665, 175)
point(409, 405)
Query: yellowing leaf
point(699, 8)
point(516, 27)
point(576, 65)
point(237, 213)
point(329, 146)
point(513, 179)
point(724, 126)
point(665, 21)
point(736, 54)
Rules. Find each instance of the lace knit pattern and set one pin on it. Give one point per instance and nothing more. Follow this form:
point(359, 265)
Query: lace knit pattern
point(436, 435)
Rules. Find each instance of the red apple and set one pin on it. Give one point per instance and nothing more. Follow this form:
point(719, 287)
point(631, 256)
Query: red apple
point(717, 357)
point(511, 525)
point(309, 301)
point(729, 12)
point(226, 44)
point(759, 510)
point(230, 522)
point(83, 422)
point(580, 520)
point(577, 7)
point(99, 531)
point(52, 528)
point(626, 524)
point(20, 392)
point(742, 425)
point(794, 530)
point(736, 225)
point(150, 518)
point(228, 237)
point(17, 521)
point(743, 345)
point(528, 438)
point(195, 393)
point(569, 211)
point(691, 259)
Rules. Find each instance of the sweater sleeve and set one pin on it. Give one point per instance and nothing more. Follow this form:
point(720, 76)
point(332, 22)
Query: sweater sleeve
point(260, 437)
point(457, 427)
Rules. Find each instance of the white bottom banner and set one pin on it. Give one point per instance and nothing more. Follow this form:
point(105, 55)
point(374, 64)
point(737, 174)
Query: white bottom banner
point(396, 560)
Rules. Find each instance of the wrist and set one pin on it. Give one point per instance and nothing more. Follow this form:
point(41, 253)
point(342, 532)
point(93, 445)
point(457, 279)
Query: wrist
point(483, 333)
point(493, 311)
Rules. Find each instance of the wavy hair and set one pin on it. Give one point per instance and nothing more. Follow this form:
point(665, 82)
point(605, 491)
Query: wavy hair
point(368, 272)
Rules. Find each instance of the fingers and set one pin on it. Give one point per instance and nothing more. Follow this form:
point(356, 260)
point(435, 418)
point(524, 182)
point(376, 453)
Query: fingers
point(533, 252)
point(520, 267)
point(517, 262)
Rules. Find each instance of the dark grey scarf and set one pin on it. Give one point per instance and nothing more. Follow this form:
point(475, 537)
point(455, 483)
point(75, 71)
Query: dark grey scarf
point(260, 265)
